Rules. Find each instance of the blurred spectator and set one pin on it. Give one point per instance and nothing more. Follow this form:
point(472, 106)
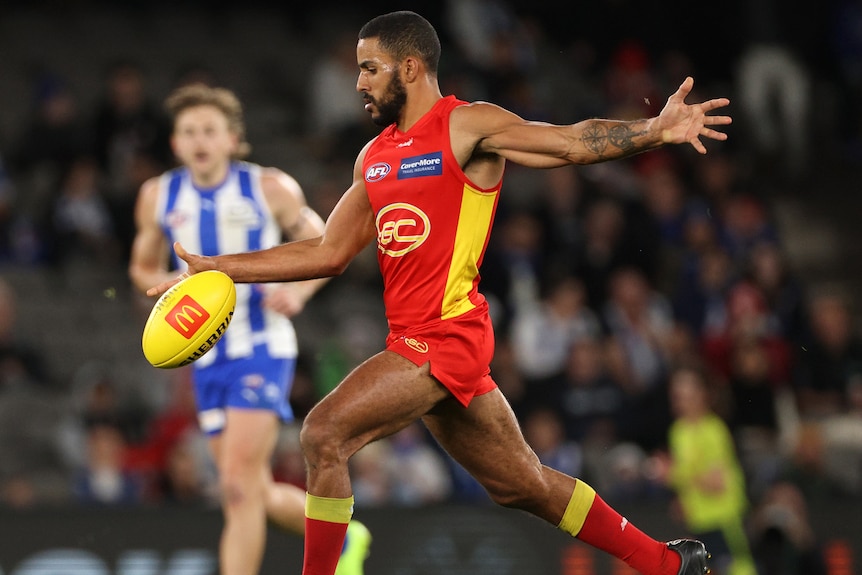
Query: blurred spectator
point(784, 541)
point(744, 224)
point(336, 121)
point(590, 400)
point(418, 470)
point(782, 290)
point(604, 248)
point(706, 474)
point(131, 141)
point(97, 399)
point(640, 322)
point(104, 479)
point(149, 454)
point(22, 364)
point(403, 469)
point(369, 475)
point(545, 433)
point(665, 197)
point(683, 228)
point(512, 271)
point(631, 88)
point(82, 225)
point(716, 179)
point(754, 414)
point(494, 42)
point(53, 136)
point(542, 334)
point(831, 362)
point(775, 83)
point(748, 321)
point(560, 208)
point(620, 471)
point(700, 297)
point(809, 468)
point(182, 481)
point(505, 371)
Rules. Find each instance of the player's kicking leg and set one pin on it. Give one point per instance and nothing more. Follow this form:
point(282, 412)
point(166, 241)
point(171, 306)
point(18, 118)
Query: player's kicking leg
point(486, 439)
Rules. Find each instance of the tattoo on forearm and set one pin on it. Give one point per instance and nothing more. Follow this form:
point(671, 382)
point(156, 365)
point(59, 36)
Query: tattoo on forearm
point(621, 137)
point(598, 135)
point(595, 138)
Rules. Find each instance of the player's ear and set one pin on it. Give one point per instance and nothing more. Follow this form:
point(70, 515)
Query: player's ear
point(411, 68)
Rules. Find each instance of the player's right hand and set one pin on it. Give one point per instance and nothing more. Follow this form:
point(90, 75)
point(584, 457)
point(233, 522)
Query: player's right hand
point(195, 263)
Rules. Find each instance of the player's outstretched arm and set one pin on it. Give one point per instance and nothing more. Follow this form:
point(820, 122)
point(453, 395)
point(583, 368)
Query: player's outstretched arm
point(543, 145)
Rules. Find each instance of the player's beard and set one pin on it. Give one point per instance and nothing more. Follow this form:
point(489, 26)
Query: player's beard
point(389, 107)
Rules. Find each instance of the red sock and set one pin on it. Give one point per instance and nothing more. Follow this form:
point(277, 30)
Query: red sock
point(609, 531)
point(323, 543)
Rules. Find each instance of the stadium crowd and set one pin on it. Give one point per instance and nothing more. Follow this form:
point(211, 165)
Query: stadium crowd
point(606, 282)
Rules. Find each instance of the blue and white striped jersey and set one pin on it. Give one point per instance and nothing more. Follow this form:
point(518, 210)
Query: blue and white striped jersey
point(233, 217)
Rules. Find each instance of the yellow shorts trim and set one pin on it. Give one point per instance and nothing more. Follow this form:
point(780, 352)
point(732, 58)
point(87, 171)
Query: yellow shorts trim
point(330, 509)
point(577, 509)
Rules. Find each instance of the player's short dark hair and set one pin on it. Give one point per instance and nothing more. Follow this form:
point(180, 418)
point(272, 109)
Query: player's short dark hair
point(405, 33)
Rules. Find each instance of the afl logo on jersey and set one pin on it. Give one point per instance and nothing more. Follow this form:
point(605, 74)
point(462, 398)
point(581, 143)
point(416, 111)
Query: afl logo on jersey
point(401, 228)
point(377, 172)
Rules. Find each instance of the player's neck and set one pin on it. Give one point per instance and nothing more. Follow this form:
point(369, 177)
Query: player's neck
point(211, 177)
point(419, 103)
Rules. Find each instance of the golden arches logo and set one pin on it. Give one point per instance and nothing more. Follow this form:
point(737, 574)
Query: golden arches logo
point(401, 228)
point(187, 317)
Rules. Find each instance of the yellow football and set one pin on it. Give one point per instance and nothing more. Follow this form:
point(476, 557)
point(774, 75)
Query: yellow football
point(188, 319)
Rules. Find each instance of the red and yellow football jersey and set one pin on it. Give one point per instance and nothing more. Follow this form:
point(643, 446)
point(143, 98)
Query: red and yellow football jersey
point(433, 224)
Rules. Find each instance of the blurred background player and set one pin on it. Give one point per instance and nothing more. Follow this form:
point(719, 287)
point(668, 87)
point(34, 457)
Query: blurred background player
point(707, 475)
point(219, 204)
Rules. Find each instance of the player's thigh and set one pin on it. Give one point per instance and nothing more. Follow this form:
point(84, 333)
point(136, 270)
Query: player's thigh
point(378, 398)
point(486, 439)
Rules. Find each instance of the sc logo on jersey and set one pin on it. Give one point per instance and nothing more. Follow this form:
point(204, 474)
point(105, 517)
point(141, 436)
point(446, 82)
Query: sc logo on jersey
point(401, 228)
point(377, 172)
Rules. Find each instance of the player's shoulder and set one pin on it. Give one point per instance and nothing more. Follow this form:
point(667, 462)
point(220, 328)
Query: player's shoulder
point(473, 122)
point(150, 187)
point(277, 183)
point(479, 110)
point(160, 180)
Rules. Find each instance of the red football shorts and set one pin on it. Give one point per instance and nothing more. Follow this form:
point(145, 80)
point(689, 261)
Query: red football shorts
point(459, 349)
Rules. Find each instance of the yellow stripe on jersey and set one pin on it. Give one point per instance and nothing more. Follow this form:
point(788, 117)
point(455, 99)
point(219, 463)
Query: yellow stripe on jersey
point(474, 223)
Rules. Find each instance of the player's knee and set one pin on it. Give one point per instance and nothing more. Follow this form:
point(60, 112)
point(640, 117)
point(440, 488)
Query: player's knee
point(239, 489)
point(317, 440)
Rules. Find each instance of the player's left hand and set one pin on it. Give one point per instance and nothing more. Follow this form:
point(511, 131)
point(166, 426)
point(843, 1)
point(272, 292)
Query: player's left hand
point(680, 122)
